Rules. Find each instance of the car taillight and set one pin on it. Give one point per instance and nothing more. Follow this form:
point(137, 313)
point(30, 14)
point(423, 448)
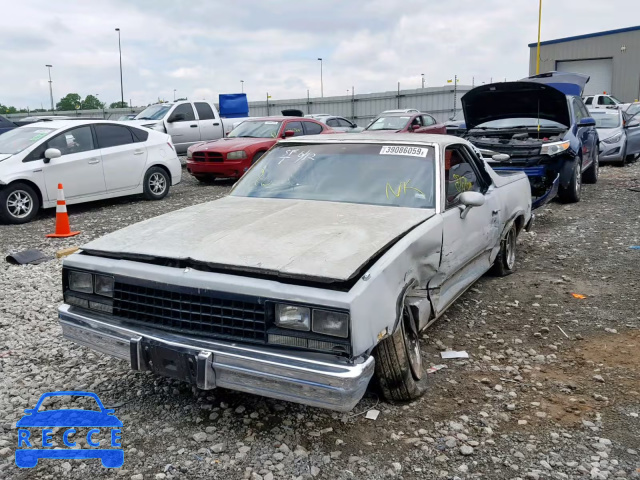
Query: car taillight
point(171, 146)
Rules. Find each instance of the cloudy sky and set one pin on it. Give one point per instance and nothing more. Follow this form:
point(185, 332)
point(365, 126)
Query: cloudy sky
point(205, 47)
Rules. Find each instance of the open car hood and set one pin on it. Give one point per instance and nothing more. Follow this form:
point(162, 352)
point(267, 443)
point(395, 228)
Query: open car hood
point(498, 101)
point(304, 239)
point(567, 83)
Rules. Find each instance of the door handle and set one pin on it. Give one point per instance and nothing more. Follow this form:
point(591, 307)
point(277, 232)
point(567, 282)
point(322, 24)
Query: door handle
point(216, 124)
point(193, 126)
point(93, 161)
point(138, 152)
point(494, 212)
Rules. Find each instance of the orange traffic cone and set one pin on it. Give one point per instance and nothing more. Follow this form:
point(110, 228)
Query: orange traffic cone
point(62, 218)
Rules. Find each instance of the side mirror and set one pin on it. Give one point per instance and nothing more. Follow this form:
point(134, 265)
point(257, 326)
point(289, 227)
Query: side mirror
point(288, 133)
point(178, 117)
point(468, 200)
point(51, 153)
point(587, 122)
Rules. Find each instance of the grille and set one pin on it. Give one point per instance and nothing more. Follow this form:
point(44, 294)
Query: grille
point(210, 314)
point(207, 157)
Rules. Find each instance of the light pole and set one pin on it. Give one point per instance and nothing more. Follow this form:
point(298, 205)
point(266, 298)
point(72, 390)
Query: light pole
point(121, 87)
point(422, 79)
point(50, 87)
point(174, 94)
point(321, 84)
point(242, 85)
point(538, 49)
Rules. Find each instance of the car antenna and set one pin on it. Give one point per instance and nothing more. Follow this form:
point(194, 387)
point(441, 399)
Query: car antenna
point(538, 118)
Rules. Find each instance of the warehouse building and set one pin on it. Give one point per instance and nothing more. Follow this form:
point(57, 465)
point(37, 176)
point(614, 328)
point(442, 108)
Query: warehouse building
point(611, 59)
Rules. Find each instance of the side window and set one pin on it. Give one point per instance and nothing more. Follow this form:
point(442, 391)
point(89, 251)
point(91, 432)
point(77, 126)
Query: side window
point(112, 135)
point(577, 110)
point(312, 128)
point(588, 101)
point(608, 101)
point(333, 122)
point(459, 175)
point(344, 123)
point(428, 120)
point(417, 121)
point(139, 135)
point(295, 126)
point(204, 111)
point(185, 109)
point(76, 140)
point(583, 109)
point(601, 101)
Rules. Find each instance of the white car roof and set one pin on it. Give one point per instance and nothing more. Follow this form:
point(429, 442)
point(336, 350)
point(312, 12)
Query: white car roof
point(61, 124)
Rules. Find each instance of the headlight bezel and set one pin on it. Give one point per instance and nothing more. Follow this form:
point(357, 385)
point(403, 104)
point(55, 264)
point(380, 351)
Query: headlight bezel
point(316, 326)
point(555, 148)
point(304, 312)
point(109, 279)
point(315, 311)
point(237, 155)
point(96, 299)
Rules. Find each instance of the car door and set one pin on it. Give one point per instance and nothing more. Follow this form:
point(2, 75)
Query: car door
point(587, 135)
point(183, 126)
point(210, 126)
point(123, 157)
point(467, 242)
point(632, 129)
point(78, 169)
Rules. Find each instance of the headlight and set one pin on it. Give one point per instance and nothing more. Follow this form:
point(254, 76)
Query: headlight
point(189, 154)
point(554, 148)
point(104, 285)
point(237, 155)
point(293, 317)
point(81, 282)
point(613, 139)
point(331, 323)
point(156, 126)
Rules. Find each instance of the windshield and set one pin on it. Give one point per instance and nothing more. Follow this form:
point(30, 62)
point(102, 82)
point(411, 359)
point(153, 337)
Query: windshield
point(389, 123)
point(391, 175)
point(154, 112)
point(256, 129)
point(520, 123)
point(16, 140)
point(606, 120)
point(633, 109)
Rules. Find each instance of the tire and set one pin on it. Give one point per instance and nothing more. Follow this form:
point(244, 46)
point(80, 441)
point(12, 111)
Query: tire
point(398, 369)
point(591, 175)
point(571, 194)
point(19, 203)
point(257, 157)
point(156, 183)
point(505, 263)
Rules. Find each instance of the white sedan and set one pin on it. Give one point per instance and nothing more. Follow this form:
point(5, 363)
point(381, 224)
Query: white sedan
point(93, 159)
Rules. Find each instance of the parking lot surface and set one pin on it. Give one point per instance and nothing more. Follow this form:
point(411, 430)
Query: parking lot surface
point(551, 388)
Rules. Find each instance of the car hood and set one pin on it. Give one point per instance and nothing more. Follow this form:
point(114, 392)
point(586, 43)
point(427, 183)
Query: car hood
point(69, 418)
point(604, 133)
point(567, 83)
point(4, 156)
point(232, 144)
point(498, 101)
point(323, 241)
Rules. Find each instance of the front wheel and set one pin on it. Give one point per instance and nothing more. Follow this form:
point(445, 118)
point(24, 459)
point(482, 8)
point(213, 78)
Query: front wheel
point(156, 183)
point(505, 263)
point(571, 193)
point(399, 369)
point(19, 203)
point(591, 175)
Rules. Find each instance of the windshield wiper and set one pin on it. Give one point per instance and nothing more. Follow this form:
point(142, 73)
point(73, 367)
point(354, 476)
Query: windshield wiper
point(145, 118)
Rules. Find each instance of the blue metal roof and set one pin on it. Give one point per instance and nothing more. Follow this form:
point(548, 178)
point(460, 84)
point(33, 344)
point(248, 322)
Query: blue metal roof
point(588, 35)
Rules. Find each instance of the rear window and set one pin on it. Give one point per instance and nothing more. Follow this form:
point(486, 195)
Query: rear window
point(139, 135)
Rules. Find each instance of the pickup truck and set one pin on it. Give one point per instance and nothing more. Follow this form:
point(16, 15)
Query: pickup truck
point(603, 101)
point(314, 275)
point(188, 123)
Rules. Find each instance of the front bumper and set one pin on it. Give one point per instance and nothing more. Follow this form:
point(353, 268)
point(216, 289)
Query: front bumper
point(538, 175)
point(612, 153)
point(227, 169)
point(309, 379)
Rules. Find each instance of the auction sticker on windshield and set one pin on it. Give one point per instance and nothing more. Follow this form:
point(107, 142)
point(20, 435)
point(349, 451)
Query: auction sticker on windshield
point(408, 151)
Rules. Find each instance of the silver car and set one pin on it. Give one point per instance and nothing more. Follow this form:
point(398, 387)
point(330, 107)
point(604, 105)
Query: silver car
point(619, 135)
point(339, 124)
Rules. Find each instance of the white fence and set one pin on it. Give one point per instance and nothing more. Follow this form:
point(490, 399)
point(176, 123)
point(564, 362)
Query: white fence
point(442, 102)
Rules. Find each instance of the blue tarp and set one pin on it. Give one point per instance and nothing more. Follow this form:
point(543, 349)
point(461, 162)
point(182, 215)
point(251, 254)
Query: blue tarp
point(233, 105)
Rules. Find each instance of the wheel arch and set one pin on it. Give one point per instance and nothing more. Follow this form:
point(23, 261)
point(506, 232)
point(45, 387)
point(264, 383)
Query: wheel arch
point(163, 167)
point(30, 183)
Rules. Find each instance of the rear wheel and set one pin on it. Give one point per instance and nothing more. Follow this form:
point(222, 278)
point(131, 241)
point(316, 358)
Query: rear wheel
point(591, 175)
point(19, 203)
point(571, 193)
point(156, 183)
point(399, 369)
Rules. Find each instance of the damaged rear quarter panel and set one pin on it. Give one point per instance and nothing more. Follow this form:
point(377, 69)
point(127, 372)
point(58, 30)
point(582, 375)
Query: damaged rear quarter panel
point(374, 298)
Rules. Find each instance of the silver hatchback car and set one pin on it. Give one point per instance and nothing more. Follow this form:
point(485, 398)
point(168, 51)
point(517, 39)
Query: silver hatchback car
point(339, 124)
point(619, 135)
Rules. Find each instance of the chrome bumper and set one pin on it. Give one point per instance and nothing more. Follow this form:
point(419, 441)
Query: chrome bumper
point(304, 378)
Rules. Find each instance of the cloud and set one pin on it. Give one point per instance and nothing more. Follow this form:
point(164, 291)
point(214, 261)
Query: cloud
point(203, 48)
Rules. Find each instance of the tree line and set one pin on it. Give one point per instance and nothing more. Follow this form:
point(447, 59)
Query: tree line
point(71, 101)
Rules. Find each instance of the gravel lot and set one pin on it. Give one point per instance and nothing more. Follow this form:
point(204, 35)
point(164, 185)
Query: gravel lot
point(551, 389)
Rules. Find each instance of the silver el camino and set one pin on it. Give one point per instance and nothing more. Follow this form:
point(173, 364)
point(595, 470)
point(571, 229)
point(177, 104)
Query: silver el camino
point(315, 274)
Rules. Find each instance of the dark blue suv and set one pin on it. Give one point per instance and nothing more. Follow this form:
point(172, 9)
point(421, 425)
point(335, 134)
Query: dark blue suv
point(6, 125)
point(538, 125)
